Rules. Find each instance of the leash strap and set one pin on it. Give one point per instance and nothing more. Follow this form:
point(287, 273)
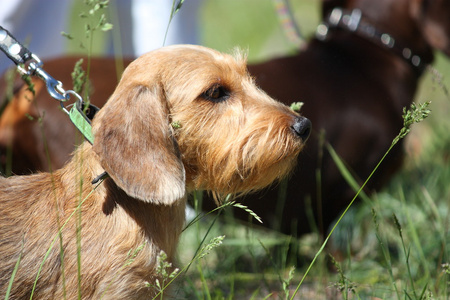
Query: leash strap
point(29, 64)
point(12, 48)
point(287, 20)
point(81, 115)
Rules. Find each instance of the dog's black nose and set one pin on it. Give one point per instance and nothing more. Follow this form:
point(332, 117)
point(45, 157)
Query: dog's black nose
point(302, 127)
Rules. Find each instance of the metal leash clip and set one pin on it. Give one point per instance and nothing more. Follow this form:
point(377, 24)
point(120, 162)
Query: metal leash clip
point(29, 64)
point(81, 114)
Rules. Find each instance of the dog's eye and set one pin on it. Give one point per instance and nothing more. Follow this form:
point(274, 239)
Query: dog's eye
point(216, 94)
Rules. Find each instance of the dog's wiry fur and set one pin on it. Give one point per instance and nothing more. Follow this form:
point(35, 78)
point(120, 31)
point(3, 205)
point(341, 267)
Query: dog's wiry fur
point(231, 138)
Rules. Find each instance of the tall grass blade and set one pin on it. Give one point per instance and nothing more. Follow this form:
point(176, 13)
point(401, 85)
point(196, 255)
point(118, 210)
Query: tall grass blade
point(413, 115)
point(424, 290)
point(131, 255)
point(249, 211)
point(204, 283)
point(176, 6)
point(214, 242)
point(13, 275)
point(406, 252)
point(57, 236)
point(385, 252)
point(345, 172)
point(415, 236)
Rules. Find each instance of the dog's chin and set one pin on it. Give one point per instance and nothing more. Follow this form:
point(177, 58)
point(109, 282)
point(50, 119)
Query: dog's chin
point(243, 182)
point(262, 178)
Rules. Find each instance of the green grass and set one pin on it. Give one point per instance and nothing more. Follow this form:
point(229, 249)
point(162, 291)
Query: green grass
point(389, 249)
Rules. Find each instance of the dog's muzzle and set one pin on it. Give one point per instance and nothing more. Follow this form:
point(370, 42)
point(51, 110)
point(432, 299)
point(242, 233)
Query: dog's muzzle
point(302, 128)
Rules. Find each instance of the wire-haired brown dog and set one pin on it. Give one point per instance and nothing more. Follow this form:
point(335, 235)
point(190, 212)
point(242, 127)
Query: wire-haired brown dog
point(230, 137)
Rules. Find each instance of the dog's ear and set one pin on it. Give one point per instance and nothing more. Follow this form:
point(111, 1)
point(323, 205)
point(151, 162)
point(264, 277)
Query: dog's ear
point(134, 141)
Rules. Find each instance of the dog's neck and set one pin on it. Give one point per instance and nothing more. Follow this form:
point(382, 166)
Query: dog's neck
point(107, 201)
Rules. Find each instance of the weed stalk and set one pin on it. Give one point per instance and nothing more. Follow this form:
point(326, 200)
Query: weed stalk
point(413, 115)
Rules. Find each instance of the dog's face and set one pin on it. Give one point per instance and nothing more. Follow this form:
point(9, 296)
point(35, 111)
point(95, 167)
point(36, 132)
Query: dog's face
point(188, 116)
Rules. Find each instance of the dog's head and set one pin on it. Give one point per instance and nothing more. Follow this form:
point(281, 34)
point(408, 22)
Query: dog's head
point(189, 116)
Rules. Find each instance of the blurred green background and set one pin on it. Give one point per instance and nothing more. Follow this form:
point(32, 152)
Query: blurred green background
point(225, 24)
